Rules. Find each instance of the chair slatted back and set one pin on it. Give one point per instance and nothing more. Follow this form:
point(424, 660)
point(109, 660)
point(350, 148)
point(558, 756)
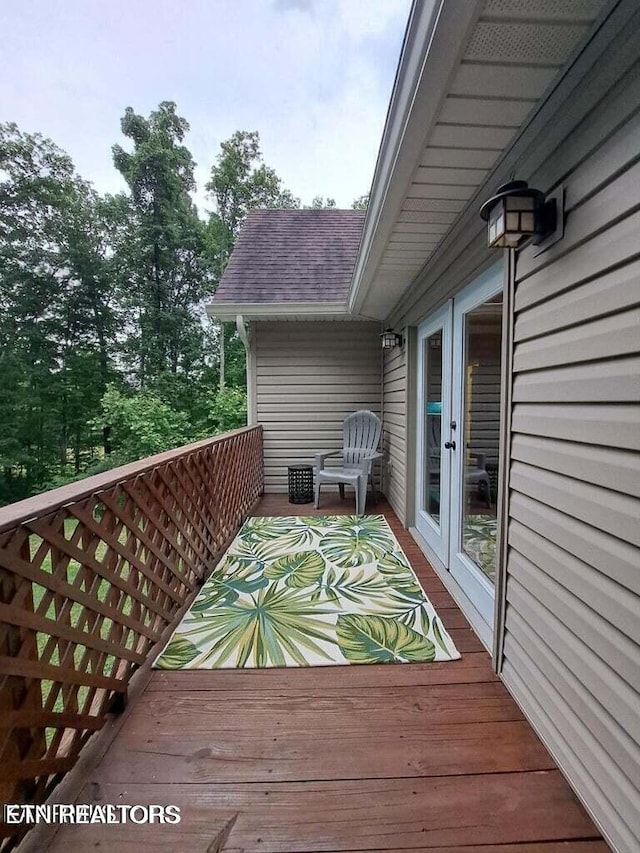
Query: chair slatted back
point(360, 436)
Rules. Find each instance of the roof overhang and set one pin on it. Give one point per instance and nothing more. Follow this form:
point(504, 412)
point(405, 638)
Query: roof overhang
point(471, 78)
point(435, 36)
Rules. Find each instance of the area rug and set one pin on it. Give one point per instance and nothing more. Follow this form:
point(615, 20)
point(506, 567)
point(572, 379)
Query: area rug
point(309, 591)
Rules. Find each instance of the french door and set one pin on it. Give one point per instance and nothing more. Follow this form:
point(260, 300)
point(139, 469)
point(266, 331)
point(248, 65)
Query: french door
point(458, 436)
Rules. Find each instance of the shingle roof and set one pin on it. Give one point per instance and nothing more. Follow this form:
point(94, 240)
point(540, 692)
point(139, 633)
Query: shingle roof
point(293, 256)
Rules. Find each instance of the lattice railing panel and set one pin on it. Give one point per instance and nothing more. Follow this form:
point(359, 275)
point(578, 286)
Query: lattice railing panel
point(90, 577)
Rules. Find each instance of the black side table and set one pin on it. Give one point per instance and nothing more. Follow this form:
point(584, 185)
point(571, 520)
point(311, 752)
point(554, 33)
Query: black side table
point(300, 484)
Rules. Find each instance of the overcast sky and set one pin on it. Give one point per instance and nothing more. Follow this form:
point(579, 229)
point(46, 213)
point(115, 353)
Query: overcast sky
point(314, 77)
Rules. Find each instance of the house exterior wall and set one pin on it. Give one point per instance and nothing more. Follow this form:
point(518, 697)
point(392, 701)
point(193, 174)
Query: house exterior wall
point(394, 434)
point(569, 648)
point(572, 618)
point(308, 376)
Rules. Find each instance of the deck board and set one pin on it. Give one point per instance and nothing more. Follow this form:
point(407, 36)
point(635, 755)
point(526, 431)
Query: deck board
point(366, 814)
point(334, 752)
point(422, 757)
point(474, 666)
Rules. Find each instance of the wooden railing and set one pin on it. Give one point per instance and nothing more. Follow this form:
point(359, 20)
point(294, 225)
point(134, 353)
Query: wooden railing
point(91, 575)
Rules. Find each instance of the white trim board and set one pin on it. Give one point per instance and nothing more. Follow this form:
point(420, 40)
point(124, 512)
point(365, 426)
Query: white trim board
point(278, 310)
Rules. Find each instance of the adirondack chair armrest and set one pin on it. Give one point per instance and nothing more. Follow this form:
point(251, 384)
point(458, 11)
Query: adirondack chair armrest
point(318, 459)
point(366, 460)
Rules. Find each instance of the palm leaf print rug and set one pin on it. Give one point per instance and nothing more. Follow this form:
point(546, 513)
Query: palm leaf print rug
point(309, 591)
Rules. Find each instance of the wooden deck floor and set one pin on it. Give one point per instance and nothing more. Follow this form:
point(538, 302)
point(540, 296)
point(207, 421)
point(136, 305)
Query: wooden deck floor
point(414, 757)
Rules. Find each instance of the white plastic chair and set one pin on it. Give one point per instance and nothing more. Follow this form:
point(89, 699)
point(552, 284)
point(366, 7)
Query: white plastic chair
point(475, 472)
point(477, 475)
point(360, 438)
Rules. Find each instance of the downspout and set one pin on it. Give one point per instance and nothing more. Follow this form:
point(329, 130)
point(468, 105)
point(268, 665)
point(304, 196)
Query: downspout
point(244, 333)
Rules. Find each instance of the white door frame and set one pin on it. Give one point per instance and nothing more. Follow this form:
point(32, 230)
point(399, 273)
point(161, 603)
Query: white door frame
point(436, 535)
point(444, 541)
point(471, 578)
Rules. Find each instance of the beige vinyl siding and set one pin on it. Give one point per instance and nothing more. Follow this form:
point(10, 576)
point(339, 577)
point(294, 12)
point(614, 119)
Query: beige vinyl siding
point(308, 377)
point(395, 429)
point(484, 402)
point(571, 647)
point(572, 619)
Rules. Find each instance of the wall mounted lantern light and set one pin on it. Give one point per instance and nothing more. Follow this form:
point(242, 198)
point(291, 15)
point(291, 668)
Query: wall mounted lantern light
point(390, 339)
point(518, 214)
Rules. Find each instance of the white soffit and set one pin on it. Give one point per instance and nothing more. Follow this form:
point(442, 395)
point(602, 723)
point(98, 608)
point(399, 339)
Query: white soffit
point(507, 57)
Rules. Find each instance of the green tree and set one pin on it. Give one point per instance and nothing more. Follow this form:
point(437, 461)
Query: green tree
point(101, 301)
point(360, 203)
point(56, 310)
point(141, 424)
point(94, 313)
point(320, 202)
point(166, 272)
point(228, 409)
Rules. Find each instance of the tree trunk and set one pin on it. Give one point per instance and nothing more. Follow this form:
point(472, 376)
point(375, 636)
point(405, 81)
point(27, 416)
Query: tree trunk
point(77, 450)
point(158, 342)
point(64, 418)
point(98, 319)
point(106, 440)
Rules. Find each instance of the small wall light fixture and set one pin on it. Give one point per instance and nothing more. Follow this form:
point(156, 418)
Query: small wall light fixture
point(390, 339)
point(518, 214)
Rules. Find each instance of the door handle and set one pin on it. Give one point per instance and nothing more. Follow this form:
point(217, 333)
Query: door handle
point(450, 445)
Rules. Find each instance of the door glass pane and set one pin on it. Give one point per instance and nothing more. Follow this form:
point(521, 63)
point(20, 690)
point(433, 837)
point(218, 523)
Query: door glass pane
point(432, 356)
point(481, 419)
